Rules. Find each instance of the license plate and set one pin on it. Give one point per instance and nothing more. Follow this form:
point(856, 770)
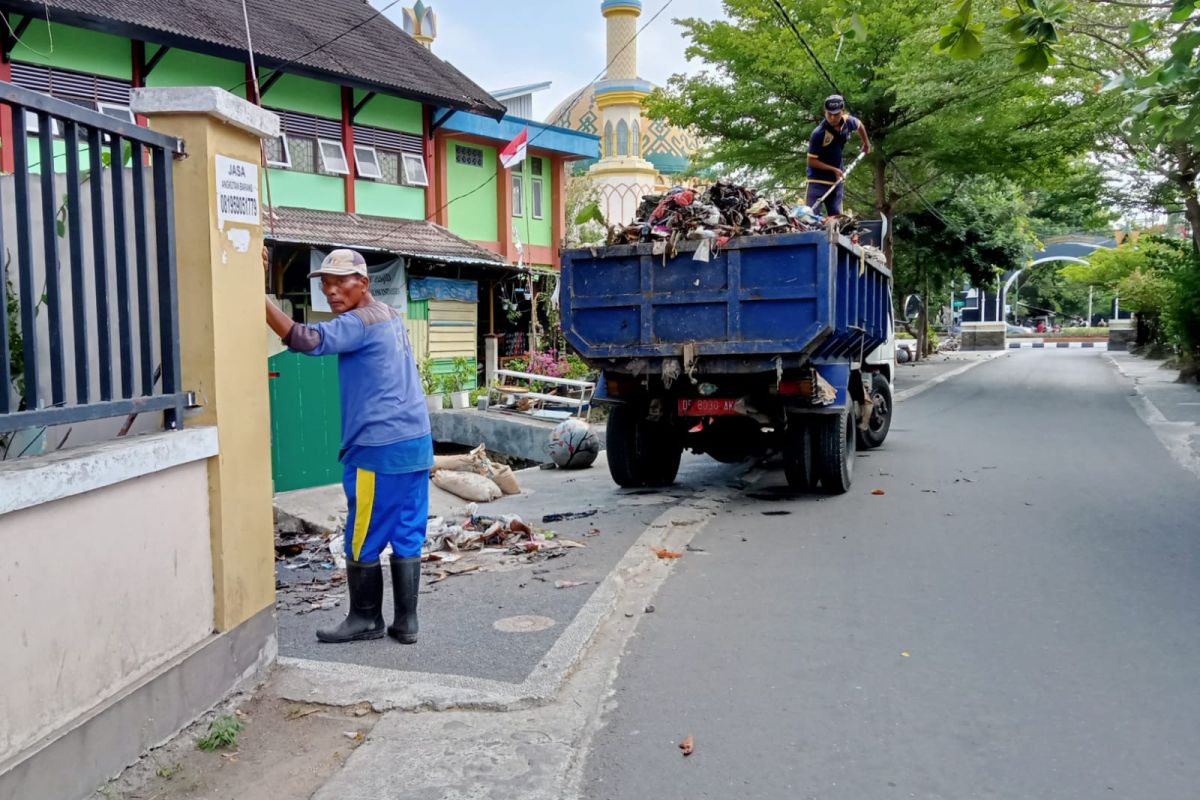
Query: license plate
point(707, 407)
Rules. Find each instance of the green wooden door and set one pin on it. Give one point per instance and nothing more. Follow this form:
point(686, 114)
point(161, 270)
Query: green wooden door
point(306, 421)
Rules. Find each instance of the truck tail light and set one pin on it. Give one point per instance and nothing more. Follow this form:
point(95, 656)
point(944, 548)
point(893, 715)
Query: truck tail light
point(799, 388)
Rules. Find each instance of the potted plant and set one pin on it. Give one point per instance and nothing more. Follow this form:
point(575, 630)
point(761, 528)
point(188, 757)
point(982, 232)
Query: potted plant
point(463, 370)
point(432, 384)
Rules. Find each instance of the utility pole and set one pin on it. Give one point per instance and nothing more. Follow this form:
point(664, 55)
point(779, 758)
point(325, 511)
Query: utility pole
point(1089, 319)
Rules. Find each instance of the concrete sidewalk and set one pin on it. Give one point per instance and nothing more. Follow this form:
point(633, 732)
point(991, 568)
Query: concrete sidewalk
point(496, 629)
point(1171, 409)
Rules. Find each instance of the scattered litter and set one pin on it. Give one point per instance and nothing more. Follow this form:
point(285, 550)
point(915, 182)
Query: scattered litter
point(442, 575)
point(629, 615)
point(569, 584)
point(664, 553)
point(692, 549)
point(776, 513)
point(878, 492)
point(362, 709)
point(688, 745)
point(569, 515)
point(354, 736)
point(593, 532)
point(649, 609)
point(299, 712)
point(904, 653)
point(929, 491)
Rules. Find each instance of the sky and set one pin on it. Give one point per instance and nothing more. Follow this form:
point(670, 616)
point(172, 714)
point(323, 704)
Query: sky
point(500, 43)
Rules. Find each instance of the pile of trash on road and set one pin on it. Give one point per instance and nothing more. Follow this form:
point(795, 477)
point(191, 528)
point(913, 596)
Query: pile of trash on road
point(470, 533)
point(716, 215)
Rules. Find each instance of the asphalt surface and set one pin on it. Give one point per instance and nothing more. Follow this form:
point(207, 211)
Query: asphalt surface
point(1018, 616)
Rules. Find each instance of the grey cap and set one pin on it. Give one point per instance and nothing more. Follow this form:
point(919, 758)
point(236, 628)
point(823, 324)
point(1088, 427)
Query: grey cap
point(342, 262)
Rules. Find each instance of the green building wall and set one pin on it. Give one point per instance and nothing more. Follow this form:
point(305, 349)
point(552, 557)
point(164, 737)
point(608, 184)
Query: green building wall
point(393, 113)
point(181, 68)
point(473, 216)
point(389, 200)
point(75, 48)
point(536, 231)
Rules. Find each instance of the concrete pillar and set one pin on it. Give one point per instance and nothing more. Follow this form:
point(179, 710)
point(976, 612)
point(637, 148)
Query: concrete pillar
point(984, 335)
point(221, 326)
point(491, 358)
point(1121, 334)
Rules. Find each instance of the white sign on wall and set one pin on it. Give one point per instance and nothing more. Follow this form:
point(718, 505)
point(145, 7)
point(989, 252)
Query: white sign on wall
point(237, 192)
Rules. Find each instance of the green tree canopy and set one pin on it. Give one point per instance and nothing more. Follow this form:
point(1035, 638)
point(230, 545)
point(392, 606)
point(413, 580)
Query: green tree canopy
point(931, 120)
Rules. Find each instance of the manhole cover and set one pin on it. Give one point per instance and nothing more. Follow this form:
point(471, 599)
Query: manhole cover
point(523, 624)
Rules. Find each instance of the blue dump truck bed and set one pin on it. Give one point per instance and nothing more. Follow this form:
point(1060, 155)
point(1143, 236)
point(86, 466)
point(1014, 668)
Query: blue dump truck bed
point(761, 348)
point(803, 297)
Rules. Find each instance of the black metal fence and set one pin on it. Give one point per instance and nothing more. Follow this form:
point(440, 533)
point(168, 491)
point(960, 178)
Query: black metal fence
point(89, 313)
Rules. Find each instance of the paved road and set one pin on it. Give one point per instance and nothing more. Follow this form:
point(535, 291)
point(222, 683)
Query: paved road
point(1018, 617)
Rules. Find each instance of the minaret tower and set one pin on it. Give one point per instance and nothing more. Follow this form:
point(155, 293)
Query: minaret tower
point(421, 23)
point(622, 176)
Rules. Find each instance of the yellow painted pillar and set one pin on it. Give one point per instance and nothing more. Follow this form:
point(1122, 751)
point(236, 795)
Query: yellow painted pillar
point(219, 238)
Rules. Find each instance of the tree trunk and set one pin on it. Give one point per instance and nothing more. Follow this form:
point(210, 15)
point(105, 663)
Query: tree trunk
point(882, 206)
point(1186, 181)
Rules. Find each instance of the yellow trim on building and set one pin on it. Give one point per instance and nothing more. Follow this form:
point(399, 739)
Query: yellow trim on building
point(364, 505)
point(626, 97)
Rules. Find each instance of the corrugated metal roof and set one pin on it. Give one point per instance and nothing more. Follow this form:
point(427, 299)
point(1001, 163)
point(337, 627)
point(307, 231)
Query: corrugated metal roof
point(370, 52)
point(414, 238)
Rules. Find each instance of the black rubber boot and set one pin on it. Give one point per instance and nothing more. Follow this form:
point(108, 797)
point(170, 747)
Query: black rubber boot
point(406, 580)
point(365, 620)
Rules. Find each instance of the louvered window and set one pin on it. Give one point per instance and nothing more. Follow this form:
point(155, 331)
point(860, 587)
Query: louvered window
point(382, 139)
point(302, 133)
point(69, 85)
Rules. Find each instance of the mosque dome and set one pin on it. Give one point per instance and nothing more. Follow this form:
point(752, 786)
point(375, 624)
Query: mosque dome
point(667, 147)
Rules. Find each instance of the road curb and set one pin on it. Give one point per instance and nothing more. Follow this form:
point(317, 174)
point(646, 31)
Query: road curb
point(913, 391)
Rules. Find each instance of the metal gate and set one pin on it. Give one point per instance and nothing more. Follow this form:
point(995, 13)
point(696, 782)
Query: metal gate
point(89, 314)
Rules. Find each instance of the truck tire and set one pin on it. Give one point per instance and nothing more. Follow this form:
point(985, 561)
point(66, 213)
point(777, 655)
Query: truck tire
point(641, 452)
point(798, 454)
point(881, 414)
point(834, 438)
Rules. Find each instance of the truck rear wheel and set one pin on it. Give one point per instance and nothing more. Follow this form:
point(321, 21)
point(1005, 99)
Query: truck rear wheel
point(881, 414)
point(833, 450)
point(641, 452)
point(798, 454)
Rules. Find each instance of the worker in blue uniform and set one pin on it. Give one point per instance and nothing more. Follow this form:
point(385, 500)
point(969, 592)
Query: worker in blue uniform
point(387, 449)
point(825, 146)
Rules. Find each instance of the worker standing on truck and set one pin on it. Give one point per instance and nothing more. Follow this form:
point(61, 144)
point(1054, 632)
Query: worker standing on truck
point(825, 154)
point(387, 449)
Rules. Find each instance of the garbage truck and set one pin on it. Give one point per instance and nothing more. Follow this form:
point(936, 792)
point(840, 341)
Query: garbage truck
point(775, 343)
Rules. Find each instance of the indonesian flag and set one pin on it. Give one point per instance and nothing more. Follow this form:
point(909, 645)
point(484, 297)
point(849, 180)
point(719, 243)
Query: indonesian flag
point(514, 152)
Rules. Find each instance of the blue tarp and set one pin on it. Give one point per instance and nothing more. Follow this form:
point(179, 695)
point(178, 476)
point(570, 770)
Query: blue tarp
point(443, 289)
